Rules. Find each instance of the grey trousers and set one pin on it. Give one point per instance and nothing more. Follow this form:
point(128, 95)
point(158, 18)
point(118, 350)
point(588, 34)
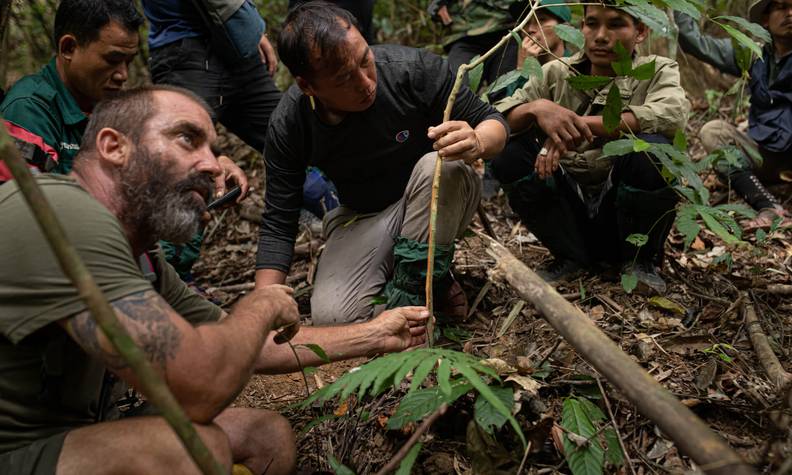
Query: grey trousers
point(357, 260)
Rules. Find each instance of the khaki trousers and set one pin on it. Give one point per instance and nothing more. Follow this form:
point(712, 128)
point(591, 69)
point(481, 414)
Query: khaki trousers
point(357, 260)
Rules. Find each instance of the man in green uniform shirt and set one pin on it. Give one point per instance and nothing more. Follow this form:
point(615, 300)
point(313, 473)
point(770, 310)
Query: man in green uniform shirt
point(145, 171)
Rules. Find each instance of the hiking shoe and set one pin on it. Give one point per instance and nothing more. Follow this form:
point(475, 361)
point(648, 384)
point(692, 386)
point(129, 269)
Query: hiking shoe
point(649, 280)
point(560, 269)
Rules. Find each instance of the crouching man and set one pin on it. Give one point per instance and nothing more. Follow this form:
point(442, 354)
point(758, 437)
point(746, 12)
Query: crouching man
point(580, 205)
point(144, 172)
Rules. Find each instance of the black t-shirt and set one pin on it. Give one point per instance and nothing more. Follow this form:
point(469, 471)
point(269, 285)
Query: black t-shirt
point(369, 155)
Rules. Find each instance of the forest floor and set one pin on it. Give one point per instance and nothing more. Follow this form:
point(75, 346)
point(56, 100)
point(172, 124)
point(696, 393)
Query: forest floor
point(695, 343)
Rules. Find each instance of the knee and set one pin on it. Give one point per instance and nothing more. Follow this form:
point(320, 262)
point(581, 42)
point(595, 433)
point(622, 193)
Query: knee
point(715, 134)
point(271, 434)
point(217, 442)
point(454, 174)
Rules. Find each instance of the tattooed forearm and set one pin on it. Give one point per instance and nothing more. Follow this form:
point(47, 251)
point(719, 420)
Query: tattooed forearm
point(145, 315)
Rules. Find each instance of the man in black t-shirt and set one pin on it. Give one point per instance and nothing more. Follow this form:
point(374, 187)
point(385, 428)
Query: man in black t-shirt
point(368, 118)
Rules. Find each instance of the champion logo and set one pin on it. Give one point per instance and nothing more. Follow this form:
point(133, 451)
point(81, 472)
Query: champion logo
point(402, 136)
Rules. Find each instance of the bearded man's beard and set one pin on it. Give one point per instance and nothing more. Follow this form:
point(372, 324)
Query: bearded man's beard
point(158, 206)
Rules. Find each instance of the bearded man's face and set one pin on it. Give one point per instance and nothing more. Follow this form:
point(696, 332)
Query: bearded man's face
point(159, 203)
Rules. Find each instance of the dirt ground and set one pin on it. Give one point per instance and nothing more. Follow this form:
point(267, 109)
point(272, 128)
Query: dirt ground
point(698, 349)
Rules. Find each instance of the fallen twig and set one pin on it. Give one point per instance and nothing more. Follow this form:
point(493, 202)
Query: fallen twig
point(615, 426)
point(779, 289)
point(394, 462)
point(777, 374)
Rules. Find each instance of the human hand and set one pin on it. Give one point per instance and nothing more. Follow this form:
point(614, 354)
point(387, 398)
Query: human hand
point(547, 160)
point(531, 48)
point(233, 173)
point(456, 140)
point(267, 53)
point(400, 328)
point(562, 126)
point(273, 303)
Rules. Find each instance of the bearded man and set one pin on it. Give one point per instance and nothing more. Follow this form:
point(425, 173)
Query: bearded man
point(145, 172)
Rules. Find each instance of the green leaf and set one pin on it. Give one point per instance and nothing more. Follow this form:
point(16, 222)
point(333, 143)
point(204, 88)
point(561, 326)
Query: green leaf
point(629, 282)
point(613, 454)
point(474, 75)
point(644, 72)
point(586, 83)
point(617, 148)
point(516, 38)
point(405, 467)
point(504, 81)
point(611, 114)
point(707, 214)
point(637, 240)
point(379, 300)
point(725, 258)
point(487, 393)
point(752, 28)
point(744, 58)
point(589, 458)
point(593, 412)
point(420, 403)
point(684, 7)
point(667, 304)
point(760, 235)
point(686, 223)
point(338, 467)
point(623, 64)
point(317, 350)
point(652, 16)
point(640, 145)
point(486, 416)
point(680, 140)
point(421, 372)
point(443, 376)
point(532, 69)
point(742, 39)
point(570, 34)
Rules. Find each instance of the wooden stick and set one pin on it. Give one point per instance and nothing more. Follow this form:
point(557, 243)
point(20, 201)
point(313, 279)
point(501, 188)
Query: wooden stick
point(779, 289)
point(151, 383)
point(652, 400)
point(394, 462)
point(777, 374)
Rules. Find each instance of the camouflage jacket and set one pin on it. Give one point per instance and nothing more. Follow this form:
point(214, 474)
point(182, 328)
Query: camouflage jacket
point(478, 17)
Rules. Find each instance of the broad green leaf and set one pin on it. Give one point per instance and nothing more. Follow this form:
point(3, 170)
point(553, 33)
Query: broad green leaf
point(420, 403)
point(629, 282)
point(744, 58)
point(504, 81)
point(613, 454)
point(686, 223)
point(485, 391)
point(637, 240)
point(516, 38)
point(743, 210)
point(405, 467)
point(652, 16)
point(338, 467)
point(617, 148)
point(570, 34)
point(640, 145)
point(752, 28)
point(409, 364)
point(421, 372)
point(680, 140)
point(532, 69)
point(589, 458)
point(644, 72)
point(474, 75)
point(486, 416)
point(726, 258)
point(593, 412)
point(715, 226)
point(623, 64)
point(443, 376)
point(742, 38)
point(611, 114)
point(586, 83)
point(667, 304)
point(684, 7)
point(317, 350)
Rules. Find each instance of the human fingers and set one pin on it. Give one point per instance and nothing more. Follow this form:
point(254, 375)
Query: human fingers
point(269, 54)
point(220, 185)
point(286, 333)
point(438, 131)
point(583, 127)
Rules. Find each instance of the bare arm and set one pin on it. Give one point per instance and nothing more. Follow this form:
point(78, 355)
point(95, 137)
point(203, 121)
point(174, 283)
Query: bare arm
point(206, 366)
point(265, 277)
point(629, 123)
point(393, 330)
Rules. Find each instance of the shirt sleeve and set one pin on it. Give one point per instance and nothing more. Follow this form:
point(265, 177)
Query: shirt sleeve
point(285, 175)
point(719, 52)
point(434, 81)
point(665, 109)
point(34, 130)
point(191, 306)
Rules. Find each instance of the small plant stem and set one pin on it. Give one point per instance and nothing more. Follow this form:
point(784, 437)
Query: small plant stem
point(394, 462)
point(615, 426)
point(151, 382)
point(525, 457)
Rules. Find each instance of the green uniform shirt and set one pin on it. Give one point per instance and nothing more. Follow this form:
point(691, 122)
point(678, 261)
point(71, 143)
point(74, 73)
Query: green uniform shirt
point(659, 104)
point(478, 17)
point(48, 384)
point(43, 117)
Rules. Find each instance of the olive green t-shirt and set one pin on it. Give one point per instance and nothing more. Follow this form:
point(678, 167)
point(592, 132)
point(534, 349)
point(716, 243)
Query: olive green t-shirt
point(48, 384)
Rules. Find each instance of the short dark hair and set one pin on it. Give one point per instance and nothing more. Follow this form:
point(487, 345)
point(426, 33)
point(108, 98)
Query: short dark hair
point(313, 24)
point(613, 4)
point(85, 18)
point(128, 112)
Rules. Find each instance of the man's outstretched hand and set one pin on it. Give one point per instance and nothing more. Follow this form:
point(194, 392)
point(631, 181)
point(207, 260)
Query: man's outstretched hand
point(401, 328)
point(456, 140)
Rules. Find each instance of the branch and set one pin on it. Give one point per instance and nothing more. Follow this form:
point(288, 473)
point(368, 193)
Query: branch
point(405, 449)
point(780, 378)
point(651, 399)
point(152, 384)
